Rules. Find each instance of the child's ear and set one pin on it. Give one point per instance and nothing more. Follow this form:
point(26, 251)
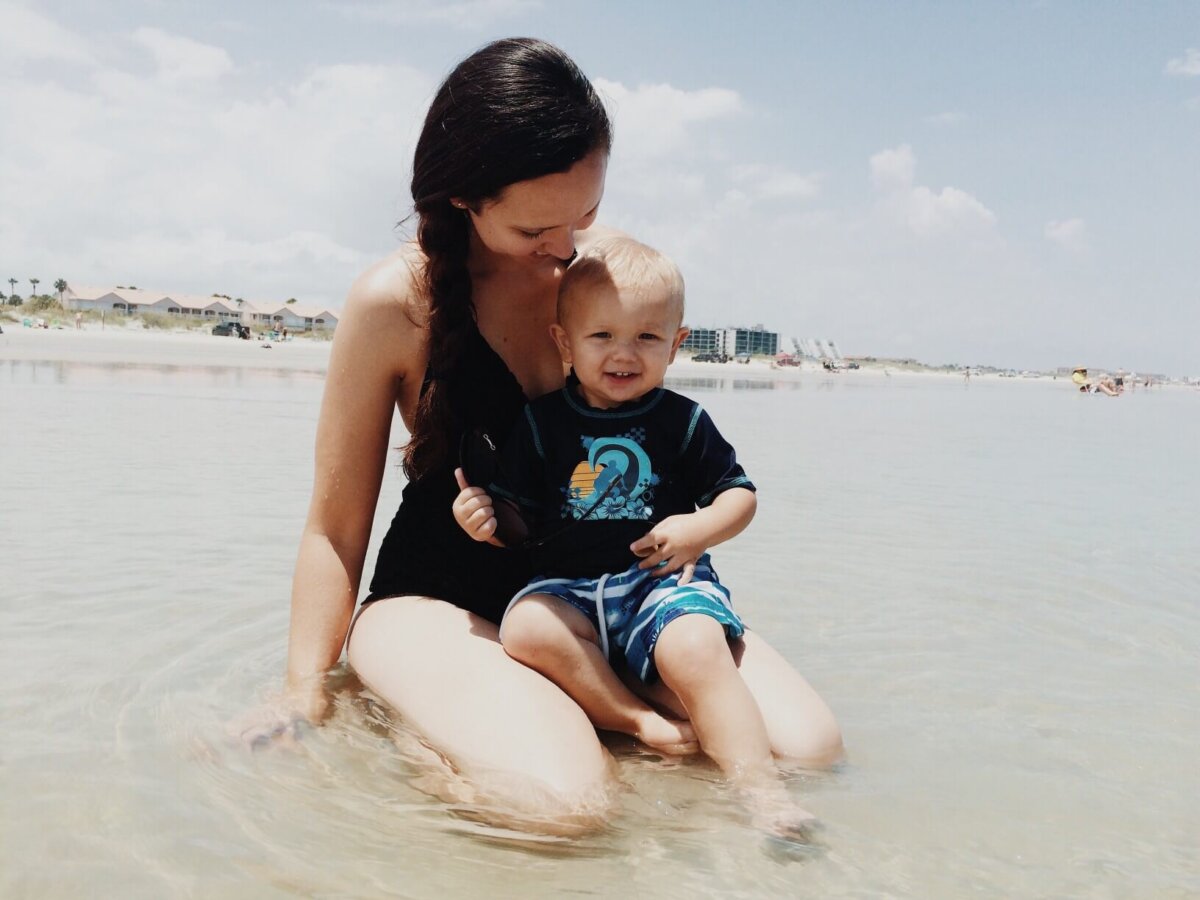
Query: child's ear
point(680, 336)
point(564, 344)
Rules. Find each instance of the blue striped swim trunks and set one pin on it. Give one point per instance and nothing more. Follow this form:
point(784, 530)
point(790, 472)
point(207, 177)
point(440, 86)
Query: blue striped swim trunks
point(637, 605)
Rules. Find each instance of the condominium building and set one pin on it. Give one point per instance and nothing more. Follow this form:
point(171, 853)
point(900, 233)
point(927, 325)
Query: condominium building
point(756, 341)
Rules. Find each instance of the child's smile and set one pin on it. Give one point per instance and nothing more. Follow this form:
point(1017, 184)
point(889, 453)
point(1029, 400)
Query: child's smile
point(619, 343)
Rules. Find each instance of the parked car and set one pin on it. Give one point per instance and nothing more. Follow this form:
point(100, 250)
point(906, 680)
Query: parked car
point(232, 329)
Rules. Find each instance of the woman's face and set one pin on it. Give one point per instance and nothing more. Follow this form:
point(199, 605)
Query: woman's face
point(536, 220)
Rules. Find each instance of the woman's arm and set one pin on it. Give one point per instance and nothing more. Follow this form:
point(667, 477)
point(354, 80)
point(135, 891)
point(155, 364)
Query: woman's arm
point(376, 348)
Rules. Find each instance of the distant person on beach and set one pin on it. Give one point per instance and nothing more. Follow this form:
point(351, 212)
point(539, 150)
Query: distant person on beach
point(610, 471)
point(78, 320)
point(1103, 385)
point(452, 330)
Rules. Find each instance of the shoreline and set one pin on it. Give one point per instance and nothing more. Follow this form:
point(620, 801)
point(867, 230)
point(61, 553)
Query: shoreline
point(132, 346)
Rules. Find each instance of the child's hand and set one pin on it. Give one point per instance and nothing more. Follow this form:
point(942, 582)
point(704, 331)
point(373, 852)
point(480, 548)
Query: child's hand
point(677, 542)
point(473, 510)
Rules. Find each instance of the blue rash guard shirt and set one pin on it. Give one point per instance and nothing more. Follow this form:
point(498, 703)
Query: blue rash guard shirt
point(592, 481)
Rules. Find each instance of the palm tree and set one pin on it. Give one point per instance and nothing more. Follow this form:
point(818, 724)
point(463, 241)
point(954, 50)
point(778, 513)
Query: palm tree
point(60, 286)
point(12, 283)
point(35, 282)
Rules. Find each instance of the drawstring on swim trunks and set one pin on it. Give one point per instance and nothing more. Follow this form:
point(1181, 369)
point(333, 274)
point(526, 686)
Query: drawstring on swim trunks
point(601, 618)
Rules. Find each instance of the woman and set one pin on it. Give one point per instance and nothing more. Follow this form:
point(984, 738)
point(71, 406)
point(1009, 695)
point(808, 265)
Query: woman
point(507, 179)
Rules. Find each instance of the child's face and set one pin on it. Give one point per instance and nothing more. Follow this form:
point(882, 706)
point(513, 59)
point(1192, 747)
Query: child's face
point(620, 342)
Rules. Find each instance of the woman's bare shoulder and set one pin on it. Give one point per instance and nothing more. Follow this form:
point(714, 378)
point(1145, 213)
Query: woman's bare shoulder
point(386, 309)
point(391, 286)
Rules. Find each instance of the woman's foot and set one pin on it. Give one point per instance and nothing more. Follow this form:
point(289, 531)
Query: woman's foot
point(672, 736)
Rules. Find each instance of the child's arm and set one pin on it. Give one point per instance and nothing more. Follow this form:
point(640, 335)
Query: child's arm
point(474, 512)
point(678, 541)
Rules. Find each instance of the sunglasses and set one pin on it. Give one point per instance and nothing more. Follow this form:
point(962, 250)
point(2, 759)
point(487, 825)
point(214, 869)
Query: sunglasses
point(479, 458)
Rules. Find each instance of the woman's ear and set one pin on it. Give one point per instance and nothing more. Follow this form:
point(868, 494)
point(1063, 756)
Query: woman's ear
point(562, 341)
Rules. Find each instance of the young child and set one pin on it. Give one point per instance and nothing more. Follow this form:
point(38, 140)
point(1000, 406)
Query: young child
point(626, 485)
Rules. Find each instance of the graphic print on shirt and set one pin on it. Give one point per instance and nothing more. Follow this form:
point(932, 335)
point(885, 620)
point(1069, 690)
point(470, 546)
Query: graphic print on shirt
point(615, 478)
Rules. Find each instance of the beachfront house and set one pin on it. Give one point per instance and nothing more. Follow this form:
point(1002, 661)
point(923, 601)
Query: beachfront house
point(196, 306)
point(292, 316)
point(263, 313)
point(119, 300)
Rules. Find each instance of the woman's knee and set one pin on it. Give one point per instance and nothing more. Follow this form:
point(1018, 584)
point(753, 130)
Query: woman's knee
point(813, 740)
point(523, 744)
point(800, 725)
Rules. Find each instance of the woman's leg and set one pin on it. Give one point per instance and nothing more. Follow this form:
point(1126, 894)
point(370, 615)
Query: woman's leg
point(528, 751)
point(800, 725)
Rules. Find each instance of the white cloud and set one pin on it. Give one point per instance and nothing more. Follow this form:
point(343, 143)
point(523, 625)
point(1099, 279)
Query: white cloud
point(1188, 65)
point(653, 120)
point(949, 208)
point(181, 58)
point(467, 14)
point(26, 35)
point(284, 190)
point(775, 183)
point(921, 209)
point(893, 169)
point(944, 118)
point(1070, 234)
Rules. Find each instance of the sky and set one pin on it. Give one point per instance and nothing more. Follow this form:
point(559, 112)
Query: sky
point(1000, 183)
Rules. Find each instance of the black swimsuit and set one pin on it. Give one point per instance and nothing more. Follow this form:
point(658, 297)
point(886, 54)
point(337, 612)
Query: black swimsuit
point(425, 553)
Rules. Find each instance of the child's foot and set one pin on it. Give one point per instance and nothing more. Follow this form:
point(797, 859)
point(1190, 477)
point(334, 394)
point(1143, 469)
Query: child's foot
point(796, 825)
point(774, 812)
point(672, 736)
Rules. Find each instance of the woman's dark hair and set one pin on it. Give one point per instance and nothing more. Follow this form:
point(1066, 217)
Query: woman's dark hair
point(516, 109)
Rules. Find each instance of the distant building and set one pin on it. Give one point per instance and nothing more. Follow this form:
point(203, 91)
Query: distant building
point(732, 341)
point(756, 341)
point(265, 313)
point(703, 340)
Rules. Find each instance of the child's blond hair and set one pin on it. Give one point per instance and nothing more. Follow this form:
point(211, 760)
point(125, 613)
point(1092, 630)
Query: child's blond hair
point(625, 264)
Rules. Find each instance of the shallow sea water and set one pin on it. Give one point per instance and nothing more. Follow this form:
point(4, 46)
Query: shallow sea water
point(995, 585)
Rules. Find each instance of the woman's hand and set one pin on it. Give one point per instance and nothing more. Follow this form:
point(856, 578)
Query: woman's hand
point(473, 510)
point(675, 543)
point(282, 720)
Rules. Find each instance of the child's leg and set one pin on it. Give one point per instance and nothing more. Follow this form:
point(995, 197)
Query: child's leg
point(557, 640)
point(693, 659)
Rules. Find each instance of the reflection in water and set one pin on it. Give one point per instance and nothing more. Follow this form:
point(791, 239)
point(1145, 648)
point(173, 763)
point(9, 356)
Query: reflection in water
point(146, 374)
point(685, 384)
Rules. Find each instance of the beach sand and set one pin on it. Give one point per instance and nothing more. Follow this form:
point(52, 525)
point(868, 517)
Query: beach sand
point(158, 347)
